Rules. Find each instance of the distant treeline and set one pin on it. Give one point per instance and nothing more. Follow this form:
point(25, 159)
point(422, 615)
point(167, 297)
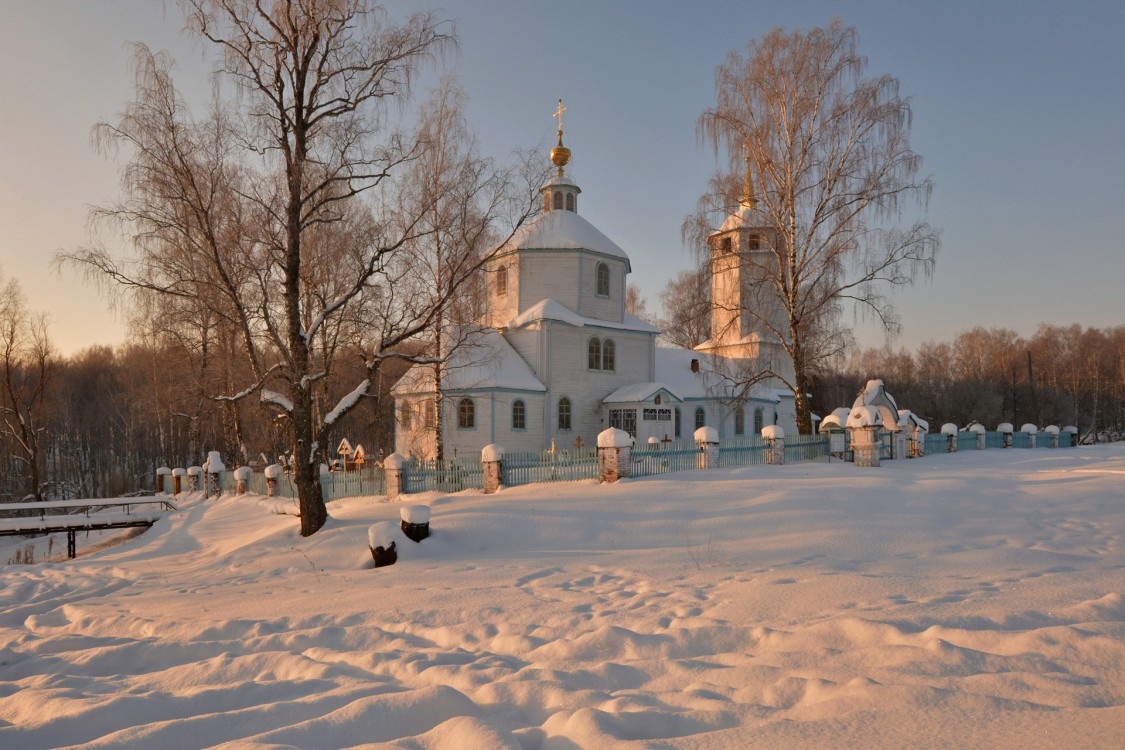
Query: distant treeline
point(1063, 375)
point(109, 416)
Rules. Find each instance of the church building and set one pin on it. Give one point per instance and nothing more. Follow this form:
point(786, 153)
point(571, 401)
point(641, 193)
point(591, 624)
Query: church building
point(555, 358)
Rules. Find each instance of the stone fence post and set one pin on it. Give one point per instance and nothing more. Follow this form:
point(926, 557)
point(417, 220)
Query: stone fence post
point(1032, 433)
point(615, 455)
point(395, 466)
point(242, 479)
point(215, 467)
point(492, 462)
point(1006, 429)
point(177, 480)
point(273, 473)
point(194, 473)
point(707, 438)
point(774, 436)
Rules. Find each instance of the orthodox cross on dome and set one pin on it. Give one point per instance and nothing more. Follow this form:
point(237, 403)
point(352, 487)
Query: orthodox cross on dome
point(748, 200)
point(560, 154)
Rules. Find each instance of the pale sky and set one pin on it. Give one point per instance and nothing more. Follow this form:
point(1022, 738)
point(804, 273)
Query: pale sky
point(1019, 115)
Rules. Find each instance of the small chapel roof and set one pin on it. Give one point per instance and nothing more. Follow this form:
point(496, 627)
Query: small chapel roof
point(636, 392)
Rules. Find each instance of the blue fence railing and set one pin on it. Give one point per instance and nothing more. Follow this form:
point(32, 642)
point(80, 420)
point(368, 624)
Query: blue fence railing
point(558, 466)
point(806, 448)
point(967, 441)
point(1021, 440)
point(451, 475)
point(743, 451)
point(664, 457)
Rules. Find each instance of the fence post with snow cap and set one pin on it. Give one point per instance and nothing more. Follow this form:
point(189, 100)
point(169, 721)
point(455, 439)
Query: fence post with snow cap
point(1006, 429)
point(381, 542)
point(774, 435)
point(708, 440)
point(273, 473)
point(950, 431)
point(242, 479)
point(492, 463)
point(194, 473)
point(215, 467)
point(615, 455)
point(1032, 432)
point(162, 472)
point(394, 465)
point(178, 480)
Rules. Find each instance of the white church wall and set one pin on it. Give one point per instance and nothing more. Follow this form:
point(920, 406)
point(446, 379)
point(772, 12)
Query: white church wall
point(503, 307)
point(592, 305)
point(549, 275)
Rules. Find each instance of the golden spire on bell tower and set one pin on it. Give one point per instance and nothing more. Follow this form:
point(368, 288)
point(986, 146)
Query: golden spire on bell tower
point(748, 200)
point(560, 154)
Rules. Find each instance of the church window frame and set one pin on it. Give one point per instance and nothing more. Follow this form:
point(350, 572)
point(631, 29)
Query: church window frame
point(679, 420)
point(466, 414)
point(565, 414)
point(601, 280)
point(740, 421)
point(406, 415)
point(594, 354)
point(502, 281)
point(557, 201)
point(700, 417)
point(519, 415)
point(570, 203)
point(754, 241)
point(726, 245)
point(428, 417)
point(759, 420)
point(609, 355)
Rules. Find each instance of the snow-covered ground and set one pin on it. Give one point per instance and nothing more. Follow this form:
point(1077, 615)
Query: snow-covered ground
point(964, 601)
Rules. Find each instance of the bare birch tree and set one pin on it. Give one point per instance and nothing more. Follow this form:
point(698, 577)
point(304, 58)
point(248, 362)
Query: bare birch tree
point(830, 150)
point(28, 364)
point(283, 209)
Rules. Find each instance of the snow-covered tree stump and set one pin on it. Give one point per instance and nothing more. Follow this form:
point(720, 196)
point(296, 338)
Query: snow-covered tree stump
point(177, 480)
point(615, 455)
point(381, 542)
point(707, 438)
point(242, 479)
point(273, 473)
point(774, 436)
point(162, 472)
point(194, 474)
point(492, 461)
point(395, 465)
point(415, 521)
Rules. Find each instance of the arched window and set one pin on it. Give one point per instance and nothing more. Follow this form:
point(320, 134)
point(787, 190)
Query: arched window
point(519, 415)
point(428, 413)
point(564, 413)
point(602, 288)
point(558, 199)
point(466, 414)
point(405, 415)
point(501, 281)
point(546, 201)
point(609, 355)
point(570, 201)
point(678, 423)
point(740, 421)
point(759, 419)
point(700, 417)
point(594, 354)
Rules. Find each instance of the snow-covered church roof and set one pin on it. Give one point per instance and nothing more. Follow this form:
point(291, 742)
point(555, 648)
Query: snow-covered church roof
point(552, 309)
point(483, 360)
point(564, 230)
